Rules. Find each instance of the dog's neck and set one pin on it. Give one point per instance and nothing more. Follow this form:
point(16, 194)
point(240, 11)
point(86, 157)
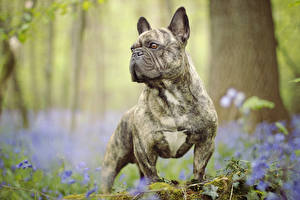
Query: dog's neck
point(181, 81)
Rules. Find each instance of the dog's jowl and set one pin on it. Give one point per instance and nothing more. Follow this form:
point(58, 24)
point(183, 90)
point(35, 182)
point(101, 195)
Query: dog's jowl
point(174, 111)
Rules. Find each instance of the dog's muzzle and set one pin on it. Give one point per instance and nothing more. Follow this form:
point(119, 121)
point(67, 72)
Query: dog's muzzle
point(136, 59)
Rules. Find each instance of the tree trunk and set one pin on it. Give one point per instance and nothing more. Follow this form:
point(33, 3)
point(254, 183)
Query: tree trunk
point(243, 56)
point(20, 99)
point(295, 96)
point(77, 41)
point(100, 66)
point(33, 71)
point(49, 65)
point(7, 69)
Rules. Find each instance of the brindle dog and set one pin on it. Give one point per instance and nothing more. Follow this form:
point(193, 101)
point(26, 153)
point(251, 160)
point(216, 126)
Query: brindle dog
point(174, 111)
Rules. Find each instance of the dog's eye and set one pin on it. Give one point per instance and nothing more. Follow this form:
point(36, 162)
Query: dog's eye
point(131, 49)
point(153, 45)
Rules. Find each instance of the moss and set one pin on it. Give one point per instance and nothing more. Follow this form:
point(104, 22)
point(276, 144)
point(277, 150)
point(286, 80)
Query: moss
point(166, 191)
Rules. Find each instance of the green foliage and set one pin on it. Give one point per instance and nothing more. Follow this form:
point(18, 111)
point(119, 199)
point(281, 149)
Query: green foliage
point(296, 3)
point(256, 103)
point(211, 190)
point(281, 128)
point(297, 80)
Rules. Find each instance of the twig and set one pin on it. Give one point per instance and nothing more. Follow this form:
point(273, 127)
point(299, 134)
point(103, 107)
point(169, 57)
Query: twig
point(27, 190)
point(231, 192)
point(184, 193)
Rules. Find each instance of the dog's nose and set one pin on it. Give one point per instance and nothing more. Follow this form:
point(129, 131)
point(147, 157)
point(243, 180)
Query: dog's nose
point(137, 53)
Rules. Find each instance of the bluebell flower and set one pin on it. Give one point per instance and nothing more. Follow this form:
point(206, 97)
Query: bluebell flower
point(1, 163)
point(141, 186)
point(181, 175)
point(121, 177)
point(279, 137)
point(86, 178)
point(20, 165)
point(239, 99)
point(98, 169)
point(231, 92)
point(272, 196)
point(71, 181)
point(3, 183)
point(91, 191)
point(262, 185)
point(67, 173)
point(225, 101)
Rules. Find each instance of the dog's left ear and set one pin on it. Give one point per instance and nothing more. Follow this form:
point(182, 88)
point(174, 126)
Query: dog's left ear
point(143, 25)
point(179, 25)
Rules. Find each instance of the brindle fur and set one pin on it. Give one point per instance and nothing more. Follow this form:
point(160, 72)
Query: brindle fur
point(174, 101)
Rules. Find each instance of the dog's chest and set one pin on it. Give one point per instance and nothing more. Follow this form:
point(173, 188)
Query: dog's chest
point(174, 139)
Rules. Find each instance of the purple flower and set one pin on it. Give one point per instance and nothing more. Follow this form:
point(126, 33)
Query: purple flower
point(20, 165)
point(231, 92)
point(181, 175)
point(279, 137)
point(86, 178)
point(67, 173)
point(91, 191)
point(71, 181)
point(140, 187)
point(98, 169)
point(262, 185)
point(272, 196)
point(225, 101)
point(239, 99)
point(121, 177)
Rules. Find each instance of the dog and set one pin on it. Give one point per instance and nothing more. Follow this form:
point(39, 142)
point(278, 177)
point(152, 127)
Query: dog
point(174, 111)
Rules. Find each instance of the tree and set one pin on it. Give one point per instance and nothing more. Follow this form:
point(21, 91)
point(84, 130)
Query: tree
point(77, 42)
point(243, 56)
point(49, 63)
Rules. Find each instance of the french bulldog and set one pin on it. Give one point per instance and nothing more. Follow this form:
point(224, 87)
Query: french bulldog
point(174, 111)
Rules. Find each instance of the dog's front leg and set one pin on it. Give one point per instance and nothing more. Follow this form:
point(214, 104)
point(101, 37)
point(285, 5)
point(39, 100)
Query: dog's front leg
point(146, 158)
point(202, 154)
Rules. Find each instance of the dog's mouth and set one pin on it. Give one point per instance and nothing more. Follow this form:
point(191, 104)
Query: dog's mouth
point(134, 76)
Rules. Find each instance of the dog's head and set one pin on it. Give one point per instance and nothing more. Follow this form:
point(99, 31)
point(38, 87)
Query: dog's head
point(160, 53)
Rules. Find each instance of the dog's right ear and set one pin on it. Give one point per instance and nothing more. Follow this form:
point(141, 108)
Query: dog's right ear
point(143, 25)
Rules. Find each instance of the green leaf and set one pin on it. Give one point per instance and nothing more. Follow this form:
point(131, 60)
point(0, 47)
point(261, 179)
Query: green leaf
point(297, 152)
point(296, 3)
point(296, 80)
point(101, 1)
point(86, 5)
point(22, 37)
point(37, 176)
point(211, 190)
point(281, 128)
point(27, 17)
point(255, 103)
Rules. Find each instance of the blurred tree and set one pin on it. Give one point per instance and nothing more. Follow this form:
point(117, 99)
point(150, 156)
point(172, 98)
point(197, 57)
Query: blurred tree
point(77, 44)
point(49, 62)
point(101, 62)
point(243, 56)
point(295, 96)
point(33, 71)
point(14, 30)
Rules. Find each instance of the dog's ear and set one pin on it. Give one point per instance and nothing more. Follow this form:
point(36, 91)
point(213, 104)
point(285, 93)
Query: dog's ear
point(143, 25)
point(179, 25)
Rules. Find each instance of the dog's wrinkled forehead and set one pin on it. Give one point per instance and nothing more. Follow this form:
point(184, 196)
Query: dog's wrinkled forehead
point(161, 35)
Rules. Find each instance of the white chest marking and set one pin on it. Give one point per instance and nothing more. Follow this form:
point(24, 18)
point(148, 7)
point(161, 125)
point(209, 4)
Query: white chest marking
point(175, 140)
point(171, 98)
